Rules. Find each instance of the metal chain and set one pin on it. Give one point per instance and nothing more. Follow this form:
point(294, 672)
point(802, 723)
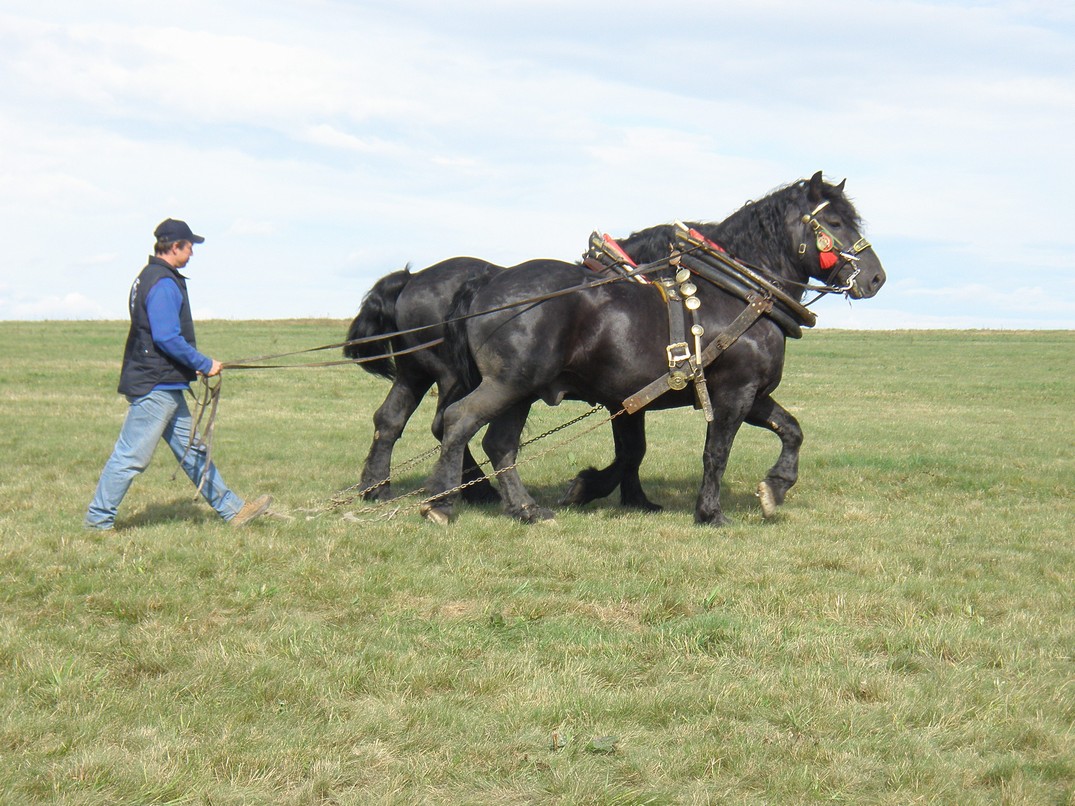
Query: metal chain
point(562, 426)
point(337, 501)
point(545, 452)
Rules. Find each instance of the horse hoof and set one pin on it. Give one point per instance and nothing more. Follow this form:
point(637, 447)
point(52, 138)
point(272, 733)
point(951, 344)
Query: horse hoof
point(380, 492)
point(575, 494)
point(768, 499)
point(536, 514)
point(718, 520)
point(438, 515)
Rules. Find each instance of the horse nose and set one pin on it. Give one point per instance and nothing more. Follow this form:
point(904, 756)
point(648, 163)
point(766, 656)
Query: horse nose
point(872, 282)
point(869, 282)
point(877, 280)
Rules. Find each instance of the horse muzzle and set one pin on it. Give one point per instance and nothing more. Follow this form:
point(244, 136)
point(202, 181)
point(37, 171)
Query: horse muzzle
point(865, 279)
point(862, 275)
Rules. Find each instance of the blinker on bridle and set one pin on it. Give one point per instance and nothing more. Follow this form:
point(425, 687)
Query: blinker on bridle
point(830, 249)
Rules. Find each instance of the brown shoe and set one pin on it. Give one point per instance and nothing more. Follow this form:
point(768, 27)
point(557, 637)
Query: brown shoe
point(251, 509)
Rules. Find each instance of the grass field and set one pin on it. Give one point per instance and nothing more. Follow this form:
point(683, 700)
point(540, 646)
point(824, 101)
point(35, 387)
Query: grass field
point(902, 633)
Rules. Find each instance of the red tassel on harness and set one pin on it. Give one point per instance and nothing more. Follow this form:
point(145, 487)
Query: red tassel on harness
point(827, 260)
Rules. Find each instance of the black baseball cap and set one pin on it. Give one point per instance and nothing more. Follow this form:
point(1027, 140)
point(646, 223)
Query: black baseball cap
point(171, 229)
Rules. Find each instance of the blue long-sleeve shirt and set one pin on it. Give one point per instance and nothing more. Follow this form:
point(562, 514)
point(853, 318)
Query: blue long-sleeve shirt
point(162, 305)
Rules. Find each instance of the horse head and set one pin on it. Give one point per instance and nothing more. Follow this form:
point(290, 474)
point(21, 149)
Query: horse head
point(830, 245)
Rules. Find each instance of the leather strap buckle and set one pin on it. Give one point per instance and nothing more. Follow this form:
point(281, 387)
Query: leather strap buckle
point(678, 353)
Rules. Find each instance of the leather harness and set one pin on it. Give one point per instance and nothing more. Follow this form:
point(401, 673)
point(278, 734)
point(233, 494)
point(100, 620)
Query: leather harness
point(694, 254)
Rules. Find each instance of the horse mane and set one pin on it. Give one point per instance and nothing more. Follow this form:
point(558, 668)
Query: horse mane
point(756, 232)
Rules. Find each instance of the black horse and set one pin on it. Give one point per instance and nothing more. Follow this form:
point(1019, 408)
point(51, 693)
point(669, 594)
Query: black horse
point(415, 305)
point(604, 343)
point(418, 304)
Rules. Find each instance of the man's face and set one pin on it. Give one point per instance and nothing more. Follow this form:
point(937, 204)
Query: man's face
point(181, 254)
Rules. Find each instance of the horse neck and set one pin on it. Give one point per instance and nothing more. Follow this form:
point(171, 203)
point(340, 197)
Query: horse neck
point(758, 234)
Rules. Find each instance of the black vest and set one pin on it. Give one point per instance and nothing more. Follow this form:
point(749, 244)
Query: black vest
point(144, 366)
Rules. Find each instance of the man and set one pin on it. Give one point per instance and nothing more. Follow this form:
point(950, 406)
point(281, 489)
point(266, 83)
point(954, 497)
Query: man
point(159, 362)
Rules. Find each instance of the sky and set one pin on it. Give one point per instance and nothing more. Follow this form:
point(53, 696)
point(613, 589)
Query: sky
point(318, 145)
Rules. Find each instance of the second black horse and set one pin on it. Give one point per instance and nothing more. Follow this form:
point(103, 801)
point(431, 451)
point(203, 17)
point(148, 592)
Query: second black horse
point(605, 343)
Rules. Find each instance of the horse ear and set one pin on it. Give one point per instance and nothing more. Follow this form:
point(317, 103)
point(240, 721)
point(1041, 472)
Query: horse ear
point(840, 187)
point(814, 188)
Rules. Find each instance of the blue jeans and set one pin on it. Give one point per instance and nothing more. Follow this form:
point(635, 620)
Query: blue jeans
point(162, 414)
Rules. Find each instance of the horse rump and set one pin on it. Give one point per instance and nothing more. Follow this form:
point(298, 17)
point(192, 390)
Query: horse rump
point(456, 350)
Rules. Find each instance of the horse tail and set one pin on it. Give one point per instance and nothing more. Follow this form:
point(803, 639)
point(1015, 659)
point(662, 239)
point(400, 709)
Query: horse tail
point(377, 317)
point(456, 348)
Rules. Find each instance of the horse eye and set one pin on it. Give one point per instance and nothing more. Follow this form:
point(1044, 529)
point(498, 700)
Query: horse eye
point(836, 224)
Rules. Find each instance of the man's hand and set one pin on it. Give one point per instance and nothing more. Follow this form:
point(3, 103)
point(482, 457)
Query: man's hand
point(216, 368)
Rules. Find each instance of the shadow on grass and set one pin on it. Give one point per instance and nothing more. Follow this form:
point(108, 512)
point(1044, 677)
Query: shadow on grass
point(181, 509)
point(677, 496)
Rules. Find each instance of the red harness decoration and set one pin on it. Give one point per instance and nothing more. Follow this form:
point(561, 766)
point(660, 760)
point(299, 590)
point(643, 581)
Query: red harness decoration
point(826, 241)
point(711, 244)
point(612, 246)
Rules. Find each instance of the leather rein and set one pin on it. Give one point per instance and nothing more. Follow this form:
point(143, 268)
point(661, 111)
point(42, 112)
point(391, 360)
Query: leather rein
point(827, 244)
point(683, 365)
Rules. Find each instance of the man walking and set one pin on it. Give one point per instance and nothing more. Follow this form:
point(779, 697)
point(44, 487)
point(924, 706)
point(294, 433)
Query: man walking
point(159, 362)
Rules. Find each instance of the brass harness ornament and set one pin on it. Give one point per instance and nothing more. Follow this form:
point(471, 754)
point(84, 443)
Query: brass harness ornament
point(685, 366)
point(685, 355)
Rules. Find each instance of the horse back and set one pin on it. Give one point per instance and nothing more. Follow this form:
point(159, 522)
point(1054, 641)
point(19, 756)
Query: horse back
point(426, 301)
point(552, 333)
point(601, 343)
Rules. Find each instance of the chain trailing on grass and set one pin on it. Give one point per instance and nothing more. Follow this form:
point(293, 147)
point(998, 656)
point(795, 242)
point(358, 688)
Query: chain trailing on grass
point(545, 452)
point(346, 496)
point(349, 494)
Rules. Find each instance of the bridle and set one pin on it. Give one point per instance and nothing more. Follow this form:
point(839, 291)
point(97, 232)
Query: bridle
point(830, 250)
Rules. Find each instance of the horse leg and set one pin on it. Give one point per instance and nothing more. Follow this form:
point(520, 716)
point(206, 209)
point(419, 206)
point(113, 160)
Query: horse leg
point(718, 444)
point(769, 414)
point(388, 423)
point(501, 444)
point(629, 434)
point(591, 483)
point(482, 491)
point(461, 421)
point(629, 438)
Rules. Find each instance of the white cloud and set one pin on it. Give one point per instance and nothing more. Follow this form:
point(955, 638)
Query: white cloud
point(330, 136)
point(320, 144)
point(1017, 301)
point(67, 306)
point(245, 227)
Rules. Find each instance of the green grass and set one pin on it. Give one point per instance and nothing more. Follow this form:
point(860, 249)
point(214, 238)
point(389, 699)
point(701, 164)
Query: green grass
point(902, 633)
